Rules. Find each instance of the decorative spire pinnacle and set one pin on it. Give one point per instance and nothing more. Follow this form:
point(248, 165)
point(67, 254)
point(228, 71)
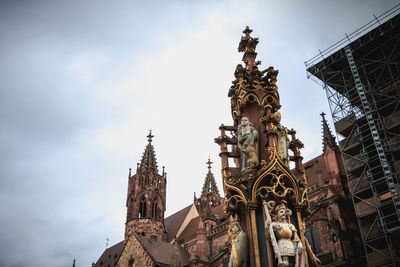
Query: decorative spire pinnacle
point(248, 46)
point(149, 162)
point(209, 164)
point(107, 239)
point(327, 137)
point(247, 31)
point(209, 187)
point(150, 136)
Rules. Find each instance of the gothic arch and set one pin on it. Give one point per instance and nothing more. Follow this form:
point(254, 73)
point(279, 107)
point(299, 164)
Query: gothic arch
point(142, 207)
point(154, 210)
point(155, 196)
point(156, 205)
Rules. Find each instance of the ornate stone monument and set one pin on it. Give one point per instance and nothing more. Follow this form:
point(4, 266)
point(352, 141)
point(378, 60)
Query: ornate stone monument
point(265, 199)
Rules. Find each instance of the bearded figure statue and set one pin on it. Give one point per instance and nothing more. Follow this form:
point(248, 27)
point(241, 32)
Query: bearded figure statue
point(248, 144)
point(286, 241)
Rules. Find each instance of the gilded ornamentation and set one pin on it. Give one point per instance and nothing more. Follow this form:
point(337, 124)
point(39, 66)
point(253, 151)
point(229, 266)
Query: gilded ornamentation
point(263, 164)
point(254, 94)
point(280, 180)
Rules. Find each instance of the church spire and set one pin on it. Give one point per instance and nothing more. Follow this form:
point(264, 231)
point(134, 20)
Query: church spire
point(209, 187)
point(327, 137)
point(146, 198)
point(148, 163)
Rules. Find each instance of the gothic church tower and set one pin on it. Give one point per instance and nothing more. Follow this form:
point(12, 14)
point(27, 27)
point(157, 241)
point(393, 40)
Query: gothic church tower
point(146, 198)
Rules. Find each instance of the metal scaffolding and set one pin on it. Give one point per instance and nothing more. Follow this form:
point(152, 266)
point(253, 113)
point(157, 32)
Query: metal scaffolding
point(361, 78)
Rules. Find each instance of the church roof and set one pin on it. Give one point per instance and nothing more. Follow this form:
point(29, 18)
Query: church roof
point(111, 255)
point(327, 137)
point(149, 162)
point(190, 229)
point(162, 252)
point(173, 222)
point(209, 187)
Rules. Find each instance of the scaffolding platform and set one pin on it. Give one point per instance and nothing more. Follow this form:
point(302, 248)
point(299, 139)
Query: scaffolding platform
point(361, 77)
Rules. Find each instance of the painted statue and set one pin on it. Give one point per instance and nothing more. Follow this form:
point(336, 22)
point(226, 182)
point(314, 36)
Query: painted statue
point(283, 236)
point(248, 144)
point(283, 139)
point(239, 245)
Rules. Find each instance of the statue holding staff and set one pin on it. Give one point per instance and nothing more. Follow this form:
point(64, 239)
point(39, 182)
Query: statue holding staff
point(283, 235)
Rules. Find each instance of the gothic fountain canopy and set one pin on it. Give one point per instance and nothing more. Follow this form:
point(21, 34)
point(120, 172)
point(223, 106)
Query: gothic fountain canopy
point(260, 183)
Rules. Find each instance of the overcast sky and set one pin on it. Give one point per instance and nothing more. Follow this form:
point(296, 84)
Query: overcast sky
point(81, 82)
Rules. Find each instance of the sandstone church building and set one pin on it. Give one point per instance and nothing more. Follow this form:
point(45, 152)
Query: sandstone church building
point(197, 235)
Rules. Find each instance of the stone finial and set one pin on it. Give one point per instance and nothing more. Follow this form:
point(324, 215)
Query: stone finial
point(210, 186)
point(150, 136)
point(209, 163)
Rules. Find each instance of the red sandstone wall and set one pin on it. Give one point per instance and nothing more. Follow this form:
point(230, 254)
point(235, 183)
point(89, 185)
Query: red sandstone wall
point(134, 251)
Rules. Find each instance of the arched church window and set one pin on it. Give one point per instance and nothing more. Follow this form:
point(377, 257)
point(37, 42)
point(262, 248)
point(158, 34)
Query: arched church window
point(142, 208)
point(147, 180)
point(154, 210)
point(141, 181)
point(313, 238)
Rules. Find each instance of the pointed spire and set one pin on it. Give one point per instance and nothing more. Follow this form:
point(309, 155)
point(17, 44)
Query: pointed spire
point(209, 187)
point(327, 137)
point(149, 162)
point(248, 46)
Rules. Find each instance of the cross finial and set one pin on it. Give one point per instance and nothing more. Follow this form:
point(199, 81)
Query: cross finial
point(209, 163)
point(247, 31)
point(322, 114)
point(107, 239)
point(150, 136)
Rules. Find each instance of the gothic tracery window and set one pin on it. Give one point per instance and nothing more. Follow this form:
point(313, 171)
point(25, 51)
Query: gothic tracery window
point(142, 208)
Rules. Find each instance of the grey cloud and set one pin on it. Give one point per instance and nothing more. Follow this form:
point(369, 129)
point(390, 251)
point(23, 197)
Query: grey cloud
point(47, 116)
